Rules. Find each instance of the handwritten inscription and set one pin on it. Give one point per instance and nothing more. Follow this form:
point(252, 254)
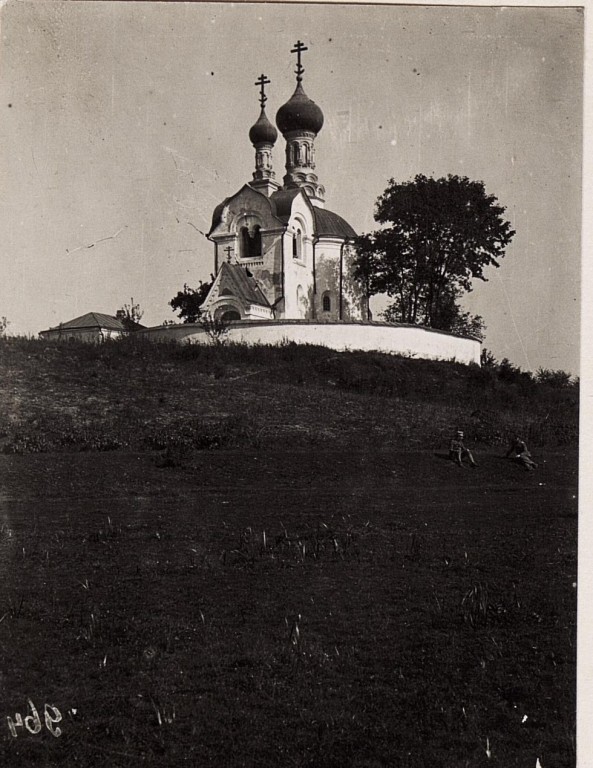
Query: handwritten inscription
point(32, 722)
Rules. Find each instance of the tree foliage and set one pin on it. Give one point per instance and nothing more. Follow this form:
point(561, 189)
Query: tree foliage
point(437, 236)
point(4, 323)
point(130, 315)
point(555, 379)
point(450, 318)
point(189, 300)
point(487, 359)
point(513, 374)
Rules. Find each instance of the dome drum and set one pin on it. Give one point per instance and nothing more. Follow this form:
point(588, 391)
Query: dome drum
point(300, 153)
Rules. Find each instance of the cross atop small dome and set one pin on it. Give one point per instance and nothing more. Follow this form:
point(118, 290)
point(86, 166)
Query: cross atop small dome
point(262, 132)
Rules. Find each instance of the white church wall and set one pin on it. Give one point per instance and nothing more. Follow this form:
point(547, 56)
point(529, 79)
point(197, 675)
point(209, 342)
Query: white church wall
point(298, 271)
point(327, 277)
point(370, 337)
point(298, 283)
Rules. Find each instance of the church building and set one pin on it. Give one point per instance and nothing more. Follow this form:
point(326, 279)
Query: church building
point(284, 264)
point(279, 253)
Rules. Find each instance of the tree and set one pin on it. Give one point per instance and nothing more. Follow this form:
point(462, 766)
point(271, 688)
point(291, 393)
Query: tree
point(487, 359)
point(130, 315)
point(437, 236)
point(189, 300)
point(450, 317)
point(4, 323)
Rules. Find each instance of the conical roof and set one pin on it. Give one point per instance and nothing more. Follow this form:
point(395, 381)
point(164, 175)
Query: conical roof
point(300, 113)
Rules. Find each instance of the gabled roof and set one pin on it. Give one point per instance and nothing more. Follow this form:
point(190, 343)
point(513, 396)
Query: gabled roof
point(92, 320)
point(242, 286)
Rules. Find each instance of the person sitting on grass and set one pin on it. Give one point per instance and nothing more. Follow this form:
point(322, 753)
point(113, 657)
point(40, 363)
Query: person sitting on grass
point(458, 451)
point(519, 451)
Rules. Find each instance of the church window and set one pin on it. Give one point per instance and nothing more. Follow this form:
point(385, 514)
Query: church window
point(251, 243)
point(297, 245)
point(255, 251)
point(327, 305)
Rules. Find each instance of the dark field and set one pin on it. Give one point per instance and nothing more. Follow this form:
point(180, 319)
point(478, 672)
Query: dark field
point(303, 607)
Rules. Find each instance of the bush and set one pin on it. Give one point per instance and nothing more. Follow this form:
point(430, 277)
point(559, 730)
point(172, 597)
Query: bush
point(554, 379)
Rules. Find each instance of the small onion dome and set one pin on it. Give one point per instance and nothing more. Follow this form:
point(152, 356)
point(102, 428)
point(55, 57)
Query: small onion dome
point(263, 132)
point(299, 113)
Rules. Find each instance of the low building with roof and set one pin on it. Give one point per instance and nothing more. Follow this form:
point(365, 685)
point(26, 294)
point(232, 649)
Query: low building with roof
point(93, 327)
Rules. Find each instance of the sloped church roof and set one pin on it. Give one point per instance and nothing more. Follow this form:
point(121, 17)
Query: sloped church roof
point(238, 282)
point(327, 223)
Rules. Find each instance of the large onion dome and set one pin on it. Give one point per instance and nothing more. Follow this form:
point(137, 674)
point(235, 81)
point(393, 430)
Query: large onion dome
point(263, 132)
point(299, 113)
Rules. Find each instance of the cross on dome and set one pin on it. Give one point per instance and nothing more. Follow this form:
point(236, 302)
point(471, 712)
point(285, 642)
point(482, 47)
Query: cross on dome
point(298, 49)
point(262, 81)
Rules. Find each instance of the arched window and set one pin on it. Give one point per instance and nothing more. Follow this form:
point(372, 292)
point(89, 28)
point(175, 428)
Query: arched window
point(229, 315)
point(297, 245)
point(327, 304)
point(255, 243)
point(250, 242)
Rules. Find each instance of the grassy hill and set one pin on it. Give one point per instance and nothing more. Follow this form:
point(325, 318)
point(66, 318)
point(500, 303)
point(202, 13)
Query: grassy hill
point(133, 394)
point(251, 558)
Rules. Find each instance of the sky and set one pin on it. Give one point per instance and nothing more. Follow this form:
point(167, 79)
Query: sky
point(124, 124)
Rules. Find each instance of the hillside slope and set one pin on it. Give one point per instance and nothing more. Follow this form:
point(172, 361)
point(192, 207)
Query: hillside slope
point(133, 394)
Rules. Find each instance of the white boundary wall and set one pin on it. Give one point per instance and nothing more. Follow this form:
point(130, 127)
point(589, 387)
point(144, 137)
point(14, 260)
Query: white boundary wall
point(369, 337)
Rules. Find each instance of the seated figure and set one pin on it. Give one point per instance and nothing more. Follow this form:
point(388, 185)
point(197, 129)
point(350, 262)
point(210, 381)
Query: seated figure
point(458, 451)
